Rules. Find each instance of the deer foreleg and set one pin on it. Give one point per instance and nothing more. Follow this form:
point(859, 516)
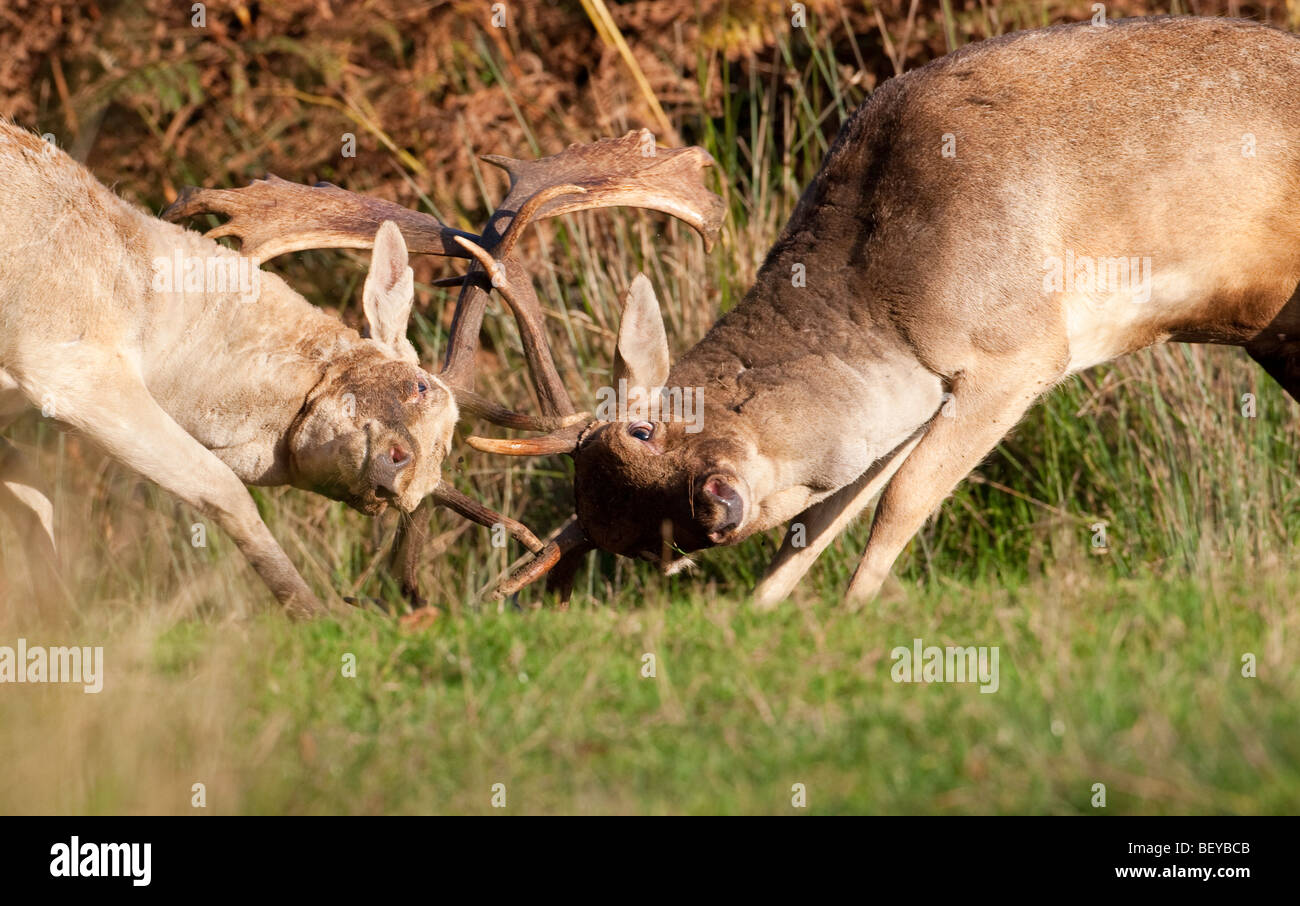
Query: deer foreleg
point(982, 411)
point(819, 525)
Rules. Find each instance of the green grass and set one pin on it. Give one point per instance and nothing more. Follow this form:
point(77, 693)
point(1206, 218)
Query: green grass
point(1132, 651)
point(1135, 684)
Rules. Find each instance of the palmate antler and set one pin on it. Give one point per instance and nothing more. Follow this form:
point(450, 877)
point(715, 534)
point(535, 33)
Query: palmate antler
point(274, 216)
point(608, 173)
point(628, 171)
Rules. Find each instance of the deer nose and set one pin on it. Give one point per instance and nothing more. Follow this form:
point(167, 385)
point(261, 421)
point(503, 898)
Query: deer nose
point(721, 492)
point(386, 468)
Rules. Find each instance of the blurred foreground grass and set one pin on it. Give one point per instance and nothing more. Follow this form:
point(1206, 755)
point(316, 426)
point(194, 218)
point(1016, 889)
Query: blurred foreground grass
point(1135, 684)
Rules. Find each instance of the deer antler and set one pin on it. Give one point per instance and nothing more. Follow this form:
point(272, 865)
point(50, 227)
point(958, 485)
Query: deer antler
point(609, 173)
point(559, 558)
point(628, 171)
point(273, 216)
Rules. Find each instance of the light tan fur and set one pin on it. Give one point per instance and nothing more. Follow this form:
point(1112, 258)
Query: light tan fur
point(202, 391)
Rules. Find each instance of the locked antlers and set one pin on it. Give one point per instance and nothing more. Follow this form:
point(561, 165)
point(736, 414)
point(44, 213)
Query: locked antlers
point(273, 216)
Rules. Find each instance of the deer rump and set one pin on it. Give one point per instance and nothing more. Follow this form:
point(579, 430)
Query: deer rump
point(981, 228)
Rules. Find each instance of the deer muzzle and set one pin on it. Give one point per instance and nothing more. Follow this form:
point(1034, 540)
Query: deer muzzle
point(384, 472)
point(724, 507)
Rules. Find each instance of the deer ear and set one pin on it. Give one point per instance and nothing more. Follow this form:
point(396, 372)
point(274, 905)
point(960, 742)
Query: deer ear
point(389, 292)
point(642, 353)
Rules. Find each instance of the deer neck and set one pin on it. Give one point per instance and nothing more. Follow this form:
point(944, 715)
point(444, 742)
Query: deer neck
point(233, 365)
point(803, 387)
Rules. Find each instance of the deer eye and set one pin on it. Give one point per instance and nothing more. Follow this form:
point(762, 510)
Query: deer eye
point(641, 430)
point(415, 390)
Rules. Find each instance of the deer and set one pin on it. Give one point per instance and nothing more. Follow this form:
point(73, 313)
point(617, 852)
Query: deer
point(187, 363)
point(981, 228)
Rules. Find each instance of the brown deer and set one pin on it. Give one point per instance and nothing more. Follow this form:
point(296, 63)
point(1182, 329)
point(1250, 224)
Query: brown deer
point(187, 363)
point(984, 226)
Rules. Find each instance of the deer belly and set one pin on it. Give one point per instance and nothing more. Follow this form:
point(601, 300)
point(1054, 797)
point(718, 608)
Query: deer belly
point(1111, 320)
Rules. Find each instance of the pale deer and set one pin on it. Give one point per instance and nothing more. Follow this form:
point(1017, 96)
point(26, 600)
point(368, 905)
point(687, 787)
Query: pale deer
point(935, 308)
point(205, 389)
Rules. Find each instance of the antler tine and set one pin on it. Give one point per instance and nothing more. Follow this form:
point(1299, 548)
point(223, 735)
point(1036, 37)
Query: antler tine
point(515, 286)
point(273, 216)
point(471, 509)
point(563, 440)
point(528, 212)
point(569, 544)
point(482, 407)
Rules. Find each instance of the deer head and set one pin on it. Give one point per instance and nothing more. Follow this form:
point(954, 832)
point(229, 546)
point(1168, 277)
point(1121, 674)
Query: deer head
point(376, 429)
point(645, 485)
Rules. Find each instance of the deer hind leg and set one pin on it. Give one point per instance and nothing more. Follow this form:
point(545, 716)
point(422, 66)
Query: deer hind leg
point(25, 502)
point(984, 408)
point(822, 523)
point(1281, 367)
point(117, 412)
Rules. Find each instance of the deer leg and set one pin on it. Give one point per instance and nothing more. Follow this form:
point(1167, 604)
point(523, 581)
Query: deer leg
point(982, 413)
point(117, 411)
point(822, 523)
point(1285, 369)
point(24, 501)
